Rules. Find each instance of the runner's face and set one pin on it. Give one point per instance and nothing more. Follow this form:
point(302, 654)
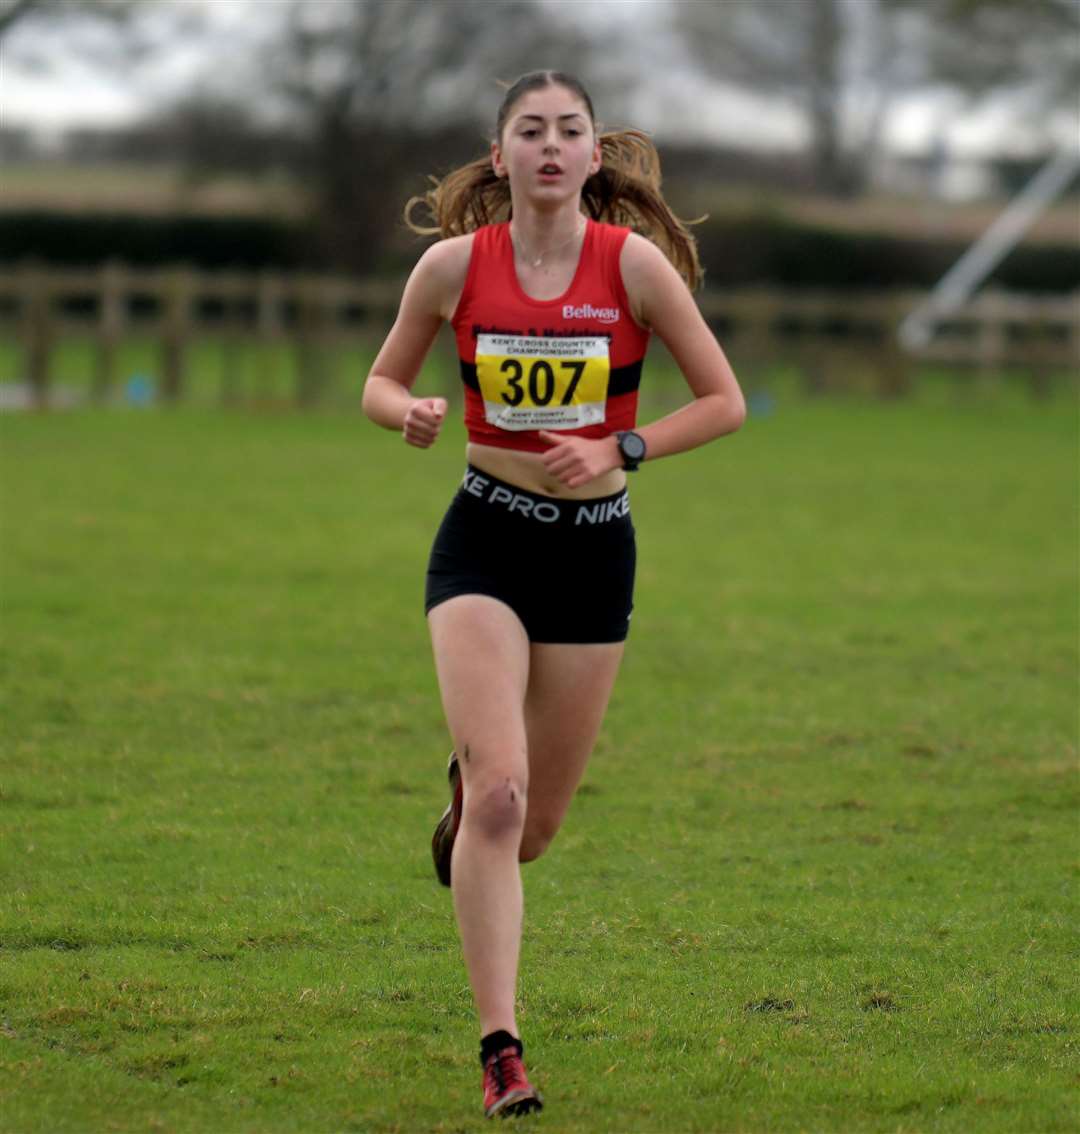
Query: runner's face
point(548, 147)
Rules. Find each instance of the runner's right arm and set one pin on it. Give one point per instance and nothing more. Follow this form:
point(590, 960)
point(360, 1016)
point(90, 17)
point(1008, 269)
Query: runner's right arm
point(387, 398)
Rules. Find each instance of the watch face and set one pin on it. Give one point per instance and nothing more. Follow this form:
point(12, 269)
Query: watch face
point(632, 446)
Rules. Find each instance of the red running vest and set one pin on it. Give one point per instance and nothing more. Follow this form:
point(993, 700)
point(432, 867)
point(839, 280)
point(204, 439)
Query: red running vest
point(571, 365)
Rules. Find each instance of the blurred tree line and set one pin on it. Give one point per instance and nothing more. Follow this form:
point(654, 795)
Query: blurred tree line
point(359, 99)
point(843, 64)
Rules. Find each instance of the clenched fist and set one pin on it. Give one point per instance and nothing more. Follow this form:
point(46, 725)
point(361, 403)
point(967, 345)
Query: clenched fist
point(423, 420)
point(574, 461)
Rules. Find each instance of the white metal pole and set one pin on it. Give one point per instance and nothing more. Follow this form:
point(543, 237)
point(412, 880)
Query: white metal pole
point(958, 283)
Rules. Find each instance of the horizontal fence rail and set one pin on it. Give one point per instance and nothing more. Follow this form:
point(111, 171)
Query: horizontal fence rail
point(822, 331)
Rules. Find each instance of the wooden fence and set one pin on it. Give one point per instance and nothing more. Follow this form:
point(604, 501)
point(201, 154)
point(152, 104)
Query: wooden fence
point(826, 334)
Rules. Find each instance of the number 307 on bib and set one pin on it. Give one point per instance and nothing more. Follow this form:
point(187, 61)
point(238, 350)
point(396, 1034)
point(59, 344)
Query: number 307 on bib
point(543, 383)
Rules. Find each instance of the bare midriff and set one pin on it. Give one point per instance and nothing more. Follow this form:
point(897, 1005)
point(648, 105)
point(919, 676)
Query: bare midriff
point(526, 470)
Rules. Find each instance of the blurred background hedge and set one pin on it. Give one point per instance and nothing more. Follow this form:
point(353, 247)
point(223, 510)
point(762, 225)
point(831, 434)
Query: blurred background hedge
point(737, 251)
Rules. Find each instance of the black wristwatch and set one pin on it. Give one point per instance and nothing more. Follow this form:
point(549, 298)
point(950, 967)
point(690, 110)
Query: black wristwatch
point(632, 447)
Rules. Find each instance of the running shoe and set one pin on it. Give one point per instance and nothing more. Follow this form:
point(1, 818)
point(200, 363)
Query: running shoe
point(507, 1090)
point(442, 842)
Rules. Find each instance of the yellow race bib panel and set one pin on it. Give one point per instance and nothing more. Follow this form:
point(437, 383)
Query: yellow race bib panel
point(543, 383)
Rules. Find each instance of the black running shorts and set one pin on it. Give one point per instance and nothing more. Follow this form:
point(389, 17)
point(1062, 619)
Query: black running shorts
point(565, 567)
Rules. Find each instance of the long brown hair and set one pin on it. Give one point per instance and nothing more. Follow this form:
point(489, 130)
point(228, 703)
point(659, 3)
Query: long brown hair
point(625, 190)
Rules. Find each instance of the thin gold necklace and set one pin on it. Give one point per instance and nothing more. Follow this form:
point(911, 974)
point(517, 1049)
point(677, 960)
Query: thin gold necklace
point(540, 259)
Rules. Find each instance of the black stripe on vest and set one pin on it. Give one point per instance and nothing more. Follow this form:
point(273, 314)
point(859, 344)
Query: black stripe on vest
point(623, 379)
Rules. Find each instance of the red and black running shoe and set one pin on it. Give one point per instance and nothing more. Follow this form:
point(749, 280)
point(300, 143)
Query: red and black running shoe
point(507, 1090)
point(442, 842)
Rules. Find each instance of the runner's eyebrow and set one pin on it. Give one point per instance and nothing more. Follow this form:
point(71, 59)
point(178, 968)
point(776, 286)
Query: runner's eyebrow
point(540, 117)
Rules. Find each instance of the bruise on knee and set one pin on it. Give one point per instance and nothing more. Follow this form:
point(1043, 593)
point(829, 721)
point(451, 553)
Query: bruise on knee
point(496, 808)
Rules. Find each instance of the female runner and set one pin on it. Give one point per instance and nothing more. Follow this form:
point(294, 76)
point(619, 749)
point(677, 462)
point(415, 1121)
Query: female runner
point(529, 586)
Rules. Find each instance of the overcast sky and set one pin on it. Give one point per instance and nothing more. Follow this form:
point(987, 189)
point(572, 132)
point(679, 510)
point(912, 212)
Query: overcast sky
point(66, 90)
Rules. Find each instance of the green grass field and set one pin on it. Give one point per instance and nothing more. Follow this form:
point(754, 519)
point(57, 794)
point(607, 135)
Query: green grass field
point(821, 875)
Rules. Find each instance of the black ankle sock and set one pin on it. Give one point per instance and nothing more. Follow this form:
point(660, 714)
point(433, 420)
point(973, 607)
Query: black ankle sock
point(498, 1041)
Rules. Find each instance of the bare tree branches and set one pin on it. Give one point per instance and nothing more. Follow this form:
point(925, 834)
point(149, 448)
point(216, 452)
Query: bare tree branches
point(811, 55)
point(371, 84)
point(841, 64)
point(983, 46)
point(11, 11)
point(16, 13)
point(409, 62)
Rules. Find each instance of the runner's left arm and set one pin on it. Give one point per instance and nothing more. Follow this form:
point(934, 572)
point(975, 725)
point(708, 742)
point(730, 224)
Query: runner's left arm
point(661, 301)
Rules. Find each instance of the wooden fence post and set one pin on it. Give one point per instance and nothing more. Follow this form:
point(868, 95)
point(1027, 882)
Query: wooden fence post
point(991, 311)
point(818, 356)
point(111, 319)
point(1040, 351)
point(894, 367)
point(178, 288)
point(311, 358)
point(1071, 325)
point(233, 364)
point(1072, 334)
point(233, 287)
point(753, 342)
point(37, 330)
point(269, 293)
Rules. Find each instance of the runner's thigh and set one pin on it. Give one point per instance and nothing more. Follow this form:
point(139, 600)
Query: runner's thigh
point(482, 662)
point(567, 695)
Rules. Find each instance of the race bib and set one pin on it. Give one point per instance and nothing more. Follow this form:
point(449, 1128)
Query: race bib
point(543, 383)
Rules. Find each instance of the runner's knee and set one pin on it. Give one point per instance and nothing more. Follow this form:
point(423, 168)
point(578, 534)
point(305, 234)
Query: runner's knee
point(495, 807)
